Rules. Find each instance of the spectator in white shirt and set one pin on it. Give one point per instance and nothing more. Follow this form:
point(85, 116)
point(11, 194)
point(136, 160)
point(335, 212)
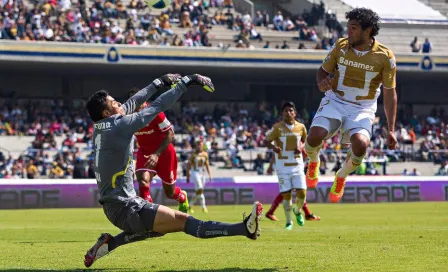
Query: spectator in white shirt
point(288, 25)
point(278, 21)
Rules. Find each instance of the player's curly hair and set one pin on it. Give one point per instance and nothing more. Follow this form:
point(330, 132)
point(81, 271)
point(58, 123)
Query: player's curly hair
point(366, 18)
point(96, 104)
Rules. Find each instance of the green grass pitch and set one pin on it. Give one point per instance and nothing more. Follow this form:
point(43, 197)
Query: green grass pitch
point(350, 237)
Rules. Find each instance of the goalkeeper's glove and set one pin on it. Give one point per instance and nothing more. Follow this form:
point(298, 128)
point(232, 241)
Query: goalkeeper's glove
point(200, 80)
point(167, 80)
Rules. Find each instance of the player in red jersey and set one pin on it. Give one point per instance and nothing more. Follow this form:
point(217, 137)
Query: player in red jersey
point(156, 156)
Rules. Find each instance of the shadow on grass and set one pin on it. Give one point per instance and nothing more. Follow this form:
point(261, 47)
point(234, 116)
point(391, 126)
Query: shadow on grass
point(52, 242)
point(234, 269)
point(65, 270)
point(149, 269)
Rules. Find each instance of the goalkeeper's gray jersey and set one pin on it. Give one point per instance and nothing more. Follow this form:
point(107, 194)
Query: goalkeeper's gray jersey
point(114, 143)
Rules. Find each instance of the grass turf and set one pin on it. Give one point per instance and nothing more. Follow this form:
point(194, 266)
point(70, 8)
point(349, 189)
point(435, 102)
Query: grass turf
point(350, 237)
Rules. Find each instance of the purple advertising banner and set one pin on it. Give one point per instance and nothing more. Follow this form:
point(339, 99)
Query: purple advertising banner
point(27, 194)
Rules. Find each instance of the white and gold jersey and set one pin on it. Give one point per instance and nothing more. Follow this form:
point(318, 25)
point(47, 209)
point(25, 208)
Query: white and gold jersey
point(359, 75)
point(288, 139)
point(198, 161)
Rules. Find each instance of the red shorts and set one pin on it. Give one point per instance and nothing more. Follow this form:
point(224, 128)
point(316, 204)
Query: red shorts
point(166, 167)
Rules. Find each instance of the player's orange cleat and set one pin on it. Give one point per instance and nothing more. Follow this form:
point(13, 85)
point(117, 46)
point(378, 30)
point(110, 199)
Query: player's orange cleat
point(312, 217)
point(337, 190)
point(271, 216)
point(312, 174)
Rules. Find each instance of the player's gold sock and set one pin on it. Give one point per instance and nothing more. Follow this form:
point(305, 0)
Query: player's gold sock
point(287, 206)
point(350, 164)
point(312, 152)
point(202, 201)
point(299, 204)
point(193, 200)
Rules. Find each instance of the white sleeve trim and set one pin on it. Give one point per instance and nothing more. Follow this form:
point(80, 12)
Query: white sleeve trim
point(165, 125)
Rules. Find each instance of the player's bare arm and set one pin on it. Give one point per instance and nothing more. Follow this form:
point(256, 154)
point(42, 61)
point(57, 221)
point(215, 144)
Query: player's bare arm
point(207, 167)
point(154, 158)
point(271, 166)
point(188, 170)
point(324, 80)
point(274, 148)
point(390, 109)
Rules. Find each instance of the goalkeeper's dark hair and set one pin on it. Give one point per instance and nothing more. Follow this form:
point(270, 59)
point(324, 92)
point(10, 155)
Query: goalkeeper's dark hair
point(96, 104)
point(132, 92)
point(289, 104)
point(366, 18)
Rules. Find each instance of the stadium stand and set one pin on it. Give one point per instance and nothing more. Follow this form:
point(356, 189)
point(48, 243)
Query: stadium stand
point(440, 5)
point(338, 7)
point(204, 23)
point(55, 136)
point(399, 9)
point(233, 133)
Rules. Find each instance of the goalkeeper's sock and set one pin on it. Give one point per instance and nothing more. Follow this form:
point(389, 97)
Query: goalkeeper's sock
point(212, 229)
point(128, 237)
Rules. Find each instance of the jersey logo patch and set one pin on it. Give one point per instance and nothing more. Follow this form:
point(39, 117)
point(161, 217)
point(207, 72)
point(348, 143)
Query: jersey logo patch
point(392, 62)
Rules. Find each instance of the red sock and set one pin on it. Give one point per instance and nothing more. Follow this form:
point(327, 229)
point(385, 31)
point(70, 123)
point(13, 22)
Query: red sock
point(145, 193)
point(306, 210)
point(178, 195)
point(275, 204)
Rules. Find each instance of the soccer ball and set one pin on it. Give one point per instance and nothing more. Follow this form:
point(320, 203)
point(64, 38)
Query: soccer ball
point(158, 4)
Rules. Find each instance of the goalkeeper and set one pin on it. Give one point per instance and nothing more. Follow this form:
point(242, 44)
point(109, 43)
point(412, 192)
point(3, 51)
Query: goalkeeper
point(114, 128)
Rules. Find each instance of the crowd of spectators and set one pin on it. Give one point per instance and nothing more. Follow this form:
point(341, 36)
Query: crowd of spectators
point(114, 22)
point(227, 131)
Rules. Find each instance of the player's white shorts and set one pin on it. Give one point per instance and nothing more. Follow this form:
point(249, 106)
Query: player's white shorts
point(350, 119)
point(198, 179)
point(287, 182)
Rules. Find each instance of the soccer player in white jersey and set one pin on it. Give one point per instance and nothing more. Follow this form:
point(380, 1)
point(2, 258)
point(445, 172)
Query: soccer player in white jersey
point(351, 76)
point(196, 165)
point(285, 139)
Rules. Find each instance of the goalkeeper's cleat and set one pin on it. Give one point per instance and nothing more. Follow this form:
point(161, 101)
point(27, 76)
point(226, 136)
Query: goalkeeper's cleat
point(271, 217)
point(200, 80)
point(288, 226)
point(337, 190)
point(312, 217)
point(312, 174)
point(204, 210)
point(252, 222)
point(99, 249)
point(183, 206)
point(191, 210)
point(299, 217)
